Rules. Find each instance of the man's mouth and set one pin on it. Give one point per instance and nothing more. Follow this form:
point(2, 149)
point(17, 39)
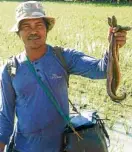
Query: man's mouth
point(33, 37)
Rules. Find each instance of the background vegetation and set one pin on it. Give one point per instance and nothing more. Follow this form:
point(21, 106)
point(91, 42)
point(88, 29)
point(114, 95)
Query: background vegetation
point(82, 26)
point(96, 1)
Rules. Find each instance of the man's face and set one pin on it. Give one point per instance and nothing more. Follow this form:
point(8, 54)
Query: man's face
point(33, 33)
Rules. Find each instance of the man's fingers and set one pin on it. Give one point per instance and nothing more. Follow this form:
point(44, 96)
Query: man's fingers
point(120, 38)
point(121, 43)
point(123, 33)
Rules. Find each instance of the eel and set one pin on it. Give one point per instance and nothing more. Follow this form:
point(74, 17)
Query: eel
point(113, 68)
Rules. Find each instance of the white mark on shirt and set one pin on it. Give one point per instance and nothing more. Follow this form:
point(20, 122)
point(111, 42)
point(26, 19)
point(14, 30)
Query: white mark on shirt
point(55, 76)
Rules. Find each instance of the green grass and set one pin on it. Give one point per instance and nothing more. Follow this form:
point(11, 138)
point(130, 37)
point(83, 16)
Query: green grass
point(83, 27)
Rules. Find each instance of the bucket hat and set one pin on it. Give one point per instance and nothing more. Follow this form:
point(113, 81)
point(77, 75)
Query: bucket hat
point(30, 10)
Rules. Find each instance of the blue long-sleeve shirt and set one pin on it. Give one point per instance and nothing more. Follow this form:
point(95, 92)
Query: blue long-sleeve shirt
point(39, 126)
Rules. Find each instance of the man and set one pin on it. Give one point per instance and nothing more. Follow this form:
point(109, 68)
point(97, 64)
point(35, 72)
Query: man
point(39, 126)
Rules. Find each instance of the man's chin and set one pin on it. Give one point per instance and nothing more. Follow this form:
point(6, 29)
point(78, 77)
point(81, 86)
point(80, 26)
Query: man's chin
point(36, 47)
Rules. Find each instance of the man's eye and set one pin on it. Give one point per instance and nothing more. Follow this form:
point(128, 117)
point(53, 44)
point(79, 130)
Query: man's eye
point(40, 25)
point(25, 27)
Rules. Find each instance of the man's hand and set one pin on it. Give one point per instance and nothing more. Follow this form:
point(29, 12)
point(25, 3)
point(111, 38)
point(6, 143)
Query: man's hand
point(120, 37)
point(2, 146)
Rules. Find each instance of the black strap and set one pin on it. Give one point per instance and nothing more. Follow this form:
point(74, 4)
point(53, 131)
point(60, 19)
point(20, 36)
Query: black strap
point(12, 66)
point(58, 52)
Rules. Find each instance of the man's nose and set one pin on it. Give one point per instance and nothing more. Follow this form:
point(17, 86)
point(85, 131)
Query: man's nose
point(33, 30)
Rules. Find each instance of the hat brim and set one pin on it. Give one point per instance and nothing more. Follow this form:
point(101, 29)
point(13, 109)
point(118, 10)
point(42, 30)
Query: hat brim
point(49, 20)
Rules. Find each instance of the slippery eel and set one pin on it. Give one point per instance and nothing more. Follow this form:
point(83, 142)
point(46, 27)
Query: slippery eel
point(113, 68)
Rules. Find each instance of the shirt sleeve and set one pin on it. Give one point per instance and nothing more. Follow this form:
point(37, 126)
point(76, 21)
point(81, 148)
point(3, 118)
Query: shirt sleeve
point(7, 106)
point(84, 65)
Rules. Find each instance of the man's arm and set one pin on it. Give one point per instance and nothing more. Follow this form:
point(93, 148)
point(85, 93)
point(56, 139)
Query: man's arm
point(84, 65)
point(7, 108)
point(80, 64)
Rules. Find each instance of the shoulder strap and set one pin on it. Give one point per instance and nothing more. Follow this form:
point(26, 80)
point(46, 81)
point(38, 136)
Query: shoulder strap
point(58, 52)
point(12, 66)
